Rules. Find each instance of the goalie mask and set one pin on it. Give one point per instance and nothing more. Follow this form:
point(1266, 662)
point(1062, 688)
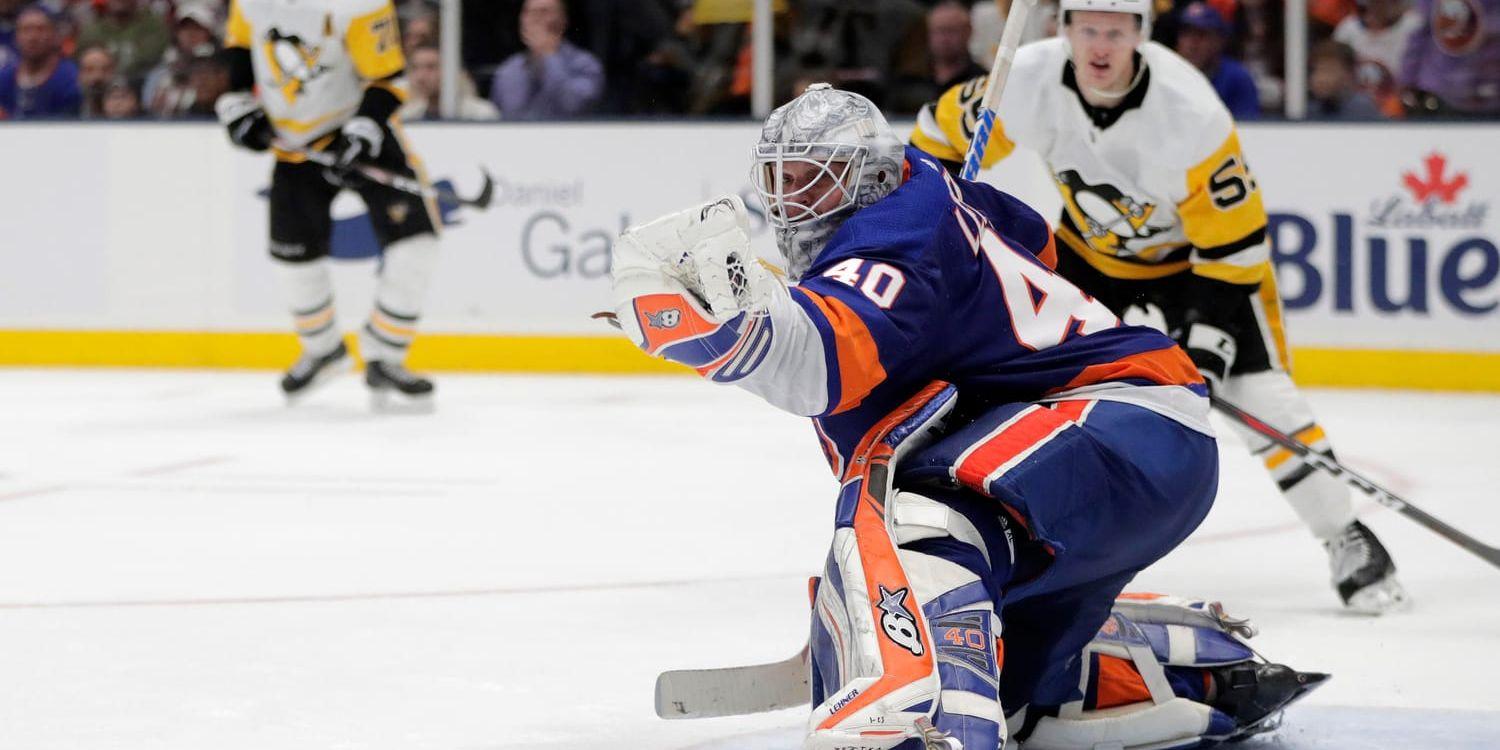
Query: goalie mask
point(821, 157)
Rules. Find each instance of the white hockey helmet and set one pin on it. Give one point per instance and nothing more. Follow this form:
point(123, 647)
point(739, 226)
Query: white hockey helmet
point(844, 137)
point(1141, 8)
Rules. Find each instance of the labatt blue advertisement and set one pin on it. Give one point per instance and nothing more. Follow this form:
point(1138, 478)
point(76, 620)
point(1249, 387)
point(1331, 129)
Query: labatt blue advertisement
point(1384, 238)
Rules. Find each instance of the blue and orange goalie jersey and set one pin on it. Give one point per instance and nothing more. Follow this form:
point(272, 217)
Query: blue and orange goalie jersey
point(947, 280)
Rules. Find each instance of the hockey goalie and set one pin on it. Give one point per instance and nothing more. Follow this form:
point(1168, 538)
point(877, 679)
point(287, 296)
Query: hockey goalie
point(1009, 453)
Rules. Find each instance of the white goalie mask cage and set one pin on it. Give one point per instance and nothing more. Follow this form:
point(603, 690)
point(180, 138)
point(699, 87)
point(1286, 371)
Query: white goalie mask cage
point(843, 156)
point(834, 168)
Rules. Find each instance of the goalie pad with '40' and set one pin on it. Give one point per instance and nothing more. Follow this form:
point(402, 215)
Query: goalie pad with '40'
point(903, 644)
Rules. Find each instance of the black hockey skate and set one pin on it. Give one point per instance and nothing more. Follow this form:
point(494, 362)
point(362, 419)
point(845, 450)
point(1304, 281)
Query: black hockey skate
point(1363, 571)
point(395, 388)
point(311, 371)
point(1255, 694)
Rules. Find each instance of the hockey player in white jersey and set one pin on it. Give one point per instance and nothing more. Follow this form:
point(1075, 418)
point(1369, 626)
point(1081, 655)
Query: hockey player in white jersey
point(327, 75)
point(1163, 222)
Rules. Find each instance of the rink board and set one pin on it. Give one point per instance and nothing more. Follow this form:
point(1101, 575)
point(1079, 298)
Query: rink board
point(1384, 243)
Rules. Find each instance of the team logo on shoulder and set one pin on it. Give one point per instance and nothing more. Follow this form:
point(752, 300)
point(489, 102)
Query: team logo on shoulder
point(897, 621)
point(665, 319)
point(293, 63)
point(970, 96)
point(1111, 221)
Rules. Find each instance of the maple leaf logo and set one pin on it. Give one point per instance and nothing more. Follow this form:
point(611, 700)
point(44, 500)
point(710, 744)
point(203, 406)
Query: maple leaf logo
point(1435, 185)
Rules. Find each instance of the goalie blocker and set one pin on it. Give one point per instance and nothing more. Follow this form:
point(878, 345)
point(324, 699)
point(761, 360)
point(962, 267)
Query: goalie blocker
point(950, 537)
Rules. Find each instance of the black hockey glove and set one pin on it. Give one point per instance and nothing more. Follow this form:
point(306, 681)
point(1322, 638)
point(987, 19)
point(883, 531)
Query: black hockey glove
point(358, 142)
point(1211, 350)
point(248, 125)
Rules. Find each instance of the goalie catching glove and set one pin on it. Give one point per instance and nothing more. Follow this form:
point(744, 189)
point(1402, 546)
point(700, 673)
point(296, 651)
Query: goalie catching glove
point(688, 288)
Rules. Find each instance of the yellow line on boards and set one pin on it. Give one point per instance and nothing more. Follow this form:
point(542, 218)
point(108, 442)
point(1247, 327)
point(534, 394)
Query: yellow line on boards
point(451, 352)
point(1425, 370)
point(1373, 368)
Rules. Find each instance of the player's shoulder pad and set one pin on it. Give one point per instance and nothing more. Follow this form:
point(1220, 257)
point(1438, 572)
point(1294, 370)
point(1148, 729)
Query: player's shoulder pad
point(1030, 60)
point(941, 123)
point(1191, 111)
point(362, 7)
point(238, 33)
point(1011, 215)
point(945, 125)
point(353, 9)
point(1035, 73)
point(1028, 105)
point(907, 216)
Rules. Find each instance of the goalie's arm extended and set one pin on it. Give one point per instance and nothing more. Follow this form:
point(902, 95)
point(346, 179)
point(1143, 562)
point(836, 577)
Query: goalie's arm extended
point(688, 288)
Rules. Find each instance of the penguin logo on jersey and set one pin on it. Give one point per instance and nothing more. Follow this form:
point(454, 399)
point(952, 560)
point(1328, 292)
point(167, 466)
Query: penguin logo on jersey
point(1110, 220)
point(293, 63)
point(898, 622)
point(664, 319)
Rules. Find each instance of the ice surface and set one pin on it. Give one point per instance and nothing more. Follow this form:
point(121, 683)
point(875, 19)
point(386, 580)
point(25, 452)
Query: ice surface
point(187, 563)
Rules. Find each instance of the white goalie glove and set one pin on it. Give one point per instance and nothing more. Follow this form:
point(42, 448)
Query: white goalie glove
point(704, 250)
point(687, 288)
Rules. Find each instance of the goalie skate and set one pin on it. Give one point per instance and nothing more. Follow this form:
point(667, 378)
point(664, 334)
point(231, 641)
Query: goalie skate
point(1256, 695)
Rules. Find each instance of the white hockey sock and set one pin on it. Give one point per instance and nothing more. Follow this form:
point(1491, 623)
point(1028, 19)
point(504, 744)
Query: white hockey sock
point(1320, 500)
point(309, 294)
point(404, 272)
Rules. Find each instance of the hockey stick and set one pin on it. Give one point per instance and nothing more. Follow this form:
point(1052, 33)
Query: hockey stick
point(402, 182)
point(733, 691)
point(1354, 479)
point(1010, 39)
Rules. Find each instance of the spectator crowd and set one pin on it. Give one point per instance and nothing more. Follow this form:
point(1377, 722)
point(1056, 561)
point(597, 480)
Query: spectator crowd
point(559, 59)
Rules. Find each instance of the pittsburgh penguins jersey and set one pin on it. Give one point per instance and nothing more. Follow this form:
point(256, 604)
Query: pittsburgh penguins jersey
point(1152, 188)
point(313, 60)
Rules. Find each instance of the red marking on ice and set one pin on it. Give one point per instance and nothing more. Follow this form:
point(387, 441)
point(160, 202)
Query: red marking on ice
point(173, 468)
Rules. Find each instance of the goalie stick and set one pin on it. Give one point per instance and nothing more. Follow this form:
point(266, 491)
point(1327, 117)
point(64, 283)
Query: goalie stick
point(1354, 479)
point(733, 691)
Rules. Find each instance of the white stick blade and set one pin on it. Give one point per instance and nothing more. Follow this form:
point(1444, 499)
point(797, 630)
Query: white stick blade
point(733, 691)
